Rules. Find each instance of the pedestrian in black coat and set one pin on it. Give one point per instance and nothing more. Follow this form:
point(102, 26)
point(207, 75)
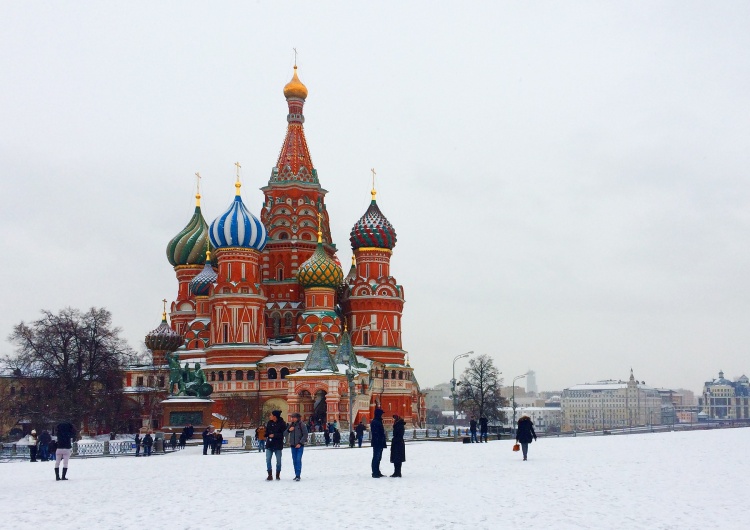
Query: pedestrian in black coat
point(336, 438)
point(148, 441)
point(218, 440)
point(352, 439)
point(275, 428)
point(327, 437)
point(173, 441)
point(360, 430)
point(483, 429)
point(206, 440)
point(525, 434)
point(398, 448)
point(137, 444)
point(377, 440)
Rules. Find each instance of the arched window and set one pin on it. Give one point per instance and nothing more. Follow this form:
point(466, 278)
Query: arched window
point(12, 391)
point(229, 375)
point(288, 320)
point(213, 376)
point(271, 373)
point(280, 273)
point(385, 374)
point(401, 375)
point(393, 374)
point(283, 235)
point(240, 375)
point(276, 321)
point(221, 376)
point(284, 372)
point(251, 375)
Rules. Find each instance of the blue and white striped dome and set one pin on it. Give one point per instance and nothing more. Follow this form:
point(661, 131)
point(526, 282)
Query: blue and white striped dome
point(237, 227)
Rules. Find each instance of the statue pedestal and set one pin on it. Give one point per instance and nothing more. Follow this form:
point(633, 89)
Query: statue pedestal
point(179, 411)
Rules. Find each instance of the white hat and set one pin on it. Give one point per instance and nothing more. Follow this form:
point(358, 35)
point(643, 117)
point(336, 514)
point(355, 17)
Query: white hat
point(33, 431)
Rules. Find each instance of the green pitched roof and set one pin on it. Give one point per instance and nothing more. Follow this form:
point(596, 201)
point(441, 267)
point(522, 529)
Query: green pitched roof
point(319, 358)
point(345, 353)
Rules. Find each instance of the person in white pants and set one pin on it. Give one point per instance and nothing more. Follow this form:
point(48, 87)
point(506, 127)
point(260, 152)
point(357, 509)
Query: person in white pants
point(65, 435)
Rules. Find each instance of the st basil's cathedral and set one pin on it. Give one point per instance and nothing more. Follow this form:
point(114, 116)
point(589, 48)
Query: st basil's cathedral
point(264, 309)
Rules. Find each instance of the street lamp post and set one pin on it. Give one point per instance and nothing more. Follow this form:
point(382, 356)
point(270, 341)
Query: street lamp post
point(453, 390)
point(514, 400)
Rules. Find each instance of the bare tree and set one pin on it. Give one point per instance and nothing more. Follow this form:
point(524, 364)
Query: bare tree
point(72, 364)
point(479, 393)
point(241, 410)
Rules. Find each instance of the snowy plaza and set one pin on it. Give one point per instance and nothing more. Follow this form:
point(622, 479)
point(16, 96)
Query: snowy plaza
point(660, 480)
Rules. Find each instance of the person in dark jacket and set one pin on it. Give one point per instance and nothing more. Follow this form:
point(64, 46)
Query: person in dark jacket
point(44, 441)
point(352, 439)
point(218, 440)
point(173, 441)
point(360, 430)
point(377, 440)
point(483, 429)
point(137, 444)
point(525, 433)
point(183, 439)
point(296, 434)
point(148, 441)
point(327, 437)
point(275, 428)
point(398, 448)
point(473, 430)
point(337, 438)
point(66, 434)
point(206, 440)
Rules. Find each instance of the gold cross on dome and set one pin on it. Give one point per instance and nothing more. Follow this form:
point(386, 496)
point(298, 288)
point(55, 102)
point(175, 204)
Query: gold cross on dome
point(373, 192)
point(237, 164)
point(164, 314)
point(295, 57)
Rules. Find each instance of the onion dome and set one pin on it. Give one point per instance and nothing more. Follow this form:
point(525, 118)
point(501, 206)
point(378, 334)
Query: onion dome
point(237, 227)
point(320, 270)
point(295, 88)
point(201, 283)
point(373, 229)
point(188, 247)
point(163, 338)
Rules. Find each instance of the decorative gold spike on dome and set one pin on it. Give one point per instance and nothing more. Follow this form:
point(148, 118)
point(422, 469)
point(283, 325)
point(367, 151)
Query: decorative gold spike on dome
point(237, 184)
point(164, 313)
point(320, 227)
point(295, 88)
point(197, 189)
point(373, 192)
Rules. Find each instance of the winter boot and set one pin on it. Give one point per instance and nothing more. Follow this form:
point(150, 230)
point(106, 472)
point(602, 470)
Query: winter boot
point(270, 475)
point(65, 472)
point(57, 473)
point(278, 475)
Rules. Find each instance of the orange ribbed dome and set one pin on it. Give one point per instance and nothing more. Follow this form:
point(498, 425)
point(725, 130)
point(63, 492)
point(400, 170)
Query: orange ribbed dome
point(295, 88)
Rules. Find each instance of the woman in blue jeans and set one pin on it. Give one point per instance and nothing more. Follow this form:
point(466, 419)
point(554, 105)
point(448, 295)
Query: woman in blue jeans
point(296, 434)
point(275, 429)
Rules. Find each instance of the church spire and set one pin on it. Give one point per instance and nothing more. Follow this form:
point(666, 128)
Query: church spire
point(294, 163)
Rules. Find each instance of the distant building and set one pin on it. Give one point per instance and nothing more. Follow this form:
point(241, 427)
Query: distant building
point(610, 405)
point(531, 387)
point(725, 400)
point(544, 418)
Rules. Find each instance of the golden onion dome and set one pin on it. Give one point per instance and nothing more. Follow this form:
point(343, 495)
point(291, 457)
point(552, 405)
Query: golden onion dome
point(295, 88)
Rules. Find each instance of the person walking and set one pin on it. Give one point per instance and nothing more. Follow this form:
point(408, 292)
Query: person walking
point(33, 445)
point(66, 433)
point(398, 448)
point(44, 441)
point(275, 428)
point(183, 439)
point(337, 438)
point(473, 429)
point(206, 440)
point(173, 441)
point(260, 435)
point(148, 441)
point(525, 434)
point(352, 439)
point(218, 440)
point(377, 440)
point(327, 437)
point(296, 435)
point(137, 444)
point(360, 429)
point(482, 429)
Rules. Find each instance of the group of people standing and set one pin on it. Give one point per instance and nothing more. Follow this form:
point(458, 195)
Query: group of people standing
point(147, 442)
point(212, 439)
point(483, 436)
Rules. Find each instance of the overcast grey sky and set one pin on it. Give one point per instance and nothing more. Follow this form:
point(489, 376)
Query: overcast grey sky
point(568, 180)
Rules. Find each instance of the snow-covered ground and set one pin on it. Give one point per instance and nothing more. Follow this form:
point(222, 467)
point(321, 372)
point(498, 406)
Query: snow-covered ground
point(679, 480)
